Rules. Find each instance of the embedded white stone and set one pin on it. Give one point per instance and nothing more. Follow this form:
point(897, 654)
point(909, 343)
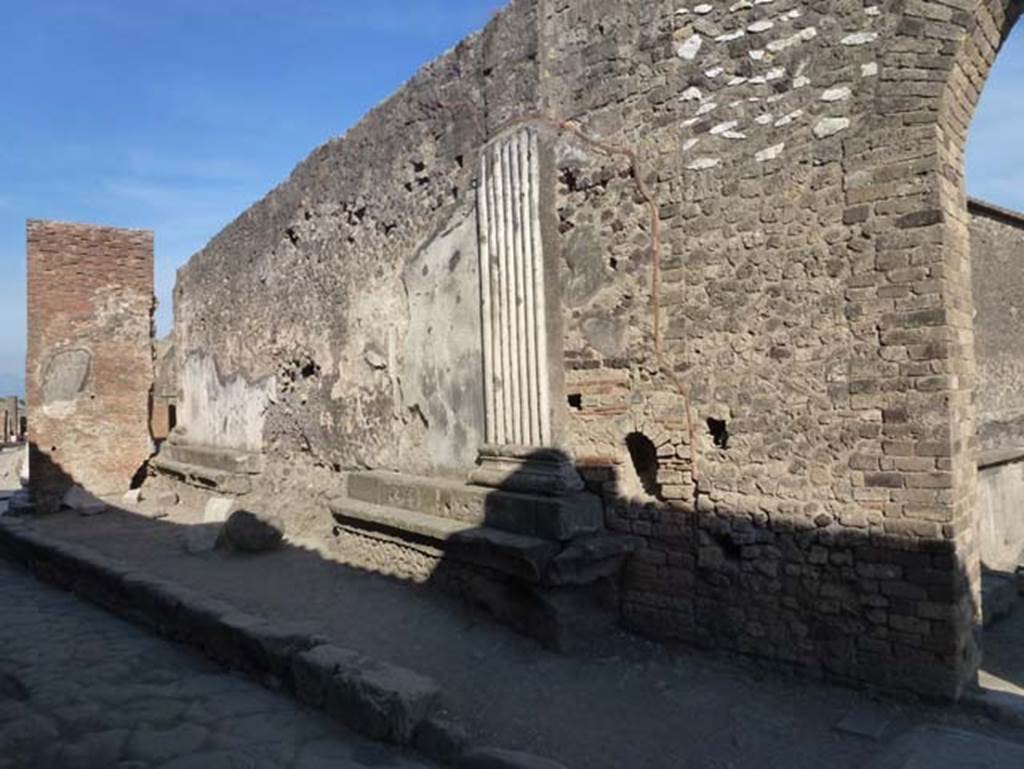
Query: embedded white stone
point(770, 153)
point(763, 2)
point(702, 164)
point(803, 36)
point(760, 26)
point(690, 48)
point(840, 93)
point(873, 10)
point(692, 94)
point(787, 119)
point(681, 11)
point(703, 9)
point(869, 70)
point(734, 135)
point(723, 127)
point(800, 81)
point(757, 55)
point(706, 107)
point(796, 13)
point(742, 5)
point(730, 36)
point(860, 38)
point(713, 72)
point(691, 121)
point(737, 81)
point(689, 144)
point(830, 126)
point(776, 73)
point(764, 119)
point(758, 80)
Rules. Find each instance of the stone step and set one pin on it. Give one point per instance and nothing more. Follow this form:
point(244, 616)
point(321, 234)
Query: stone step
point(517, 555)
point(559, 518)
point(202, 476)
point(213, 458)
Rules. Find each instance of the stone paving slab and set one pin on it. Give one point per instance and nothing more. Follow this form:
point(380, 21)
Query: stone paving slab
point(80, 689)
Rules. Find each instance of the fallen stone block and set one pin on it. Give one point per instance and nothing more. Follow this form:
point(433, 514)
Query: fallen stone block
point(253, 532)
point(132, 497)
point(82, 502)
point(493, 758)
point(218, 509)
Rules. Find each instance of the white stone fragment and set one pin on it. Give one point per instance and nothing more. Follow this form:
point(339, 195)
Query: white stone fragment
point(760, 26)
point(873, 10)
point(689, 144)
point(869, 70)
point(702, 164)
point(860, 38)
point(803, 36)
point(706, 107)
point(764, 119)
point(839, 93)
point(770, 153)
point(734, 135)
point(742, 5)
point(713, 72)
point(703, 9)
point(800, 81)
point(787, 119)
point(796, 13)
point(776, 73)
point(830, 126)
point(757, 55)
point(690, 48)
point(691, 94)
point(723, 127)
point(682, 11)
point(763, 2)
point(691, 121)
point(728, 37)
point(737, 80)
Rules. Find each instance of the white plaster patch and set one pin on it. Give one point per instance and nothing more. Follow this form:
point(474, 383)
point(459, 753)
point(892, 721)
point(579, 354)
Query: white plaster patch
point(730, 36)
point(860, 38)
point(690, 48)
point(723, 127)
point(830, 126)
point(839, 93)
point(869, 70)
point(692, 94)
point(787, 119)
point(703, 164)
point(770, 153)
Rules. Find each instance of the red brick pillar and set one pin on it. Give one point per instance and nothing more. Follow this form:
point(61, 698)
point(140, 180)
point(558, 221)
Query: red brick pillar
point(89, 369)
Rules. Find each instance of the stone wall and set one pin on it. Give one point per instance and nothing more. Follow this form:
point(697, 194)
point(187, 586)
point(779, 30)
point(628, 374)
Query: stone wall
point(997, 274)
point(757, 228)
point(89, 371)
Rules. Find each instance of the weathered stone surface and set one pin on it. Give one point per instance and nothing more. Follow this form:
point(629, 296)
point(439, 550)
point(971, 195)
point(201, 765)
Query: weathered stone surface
point(494, 758)
point(82, 502)
point(253, 532)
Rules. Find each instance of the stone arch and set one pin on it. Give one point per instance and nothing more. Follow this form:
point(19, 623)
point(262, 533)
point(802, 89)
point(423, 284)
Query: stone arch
point(911, 173)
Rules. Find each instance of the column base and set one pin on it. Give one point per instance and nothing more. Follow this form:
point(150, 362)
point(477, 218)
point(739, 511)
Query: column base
point(526, 469)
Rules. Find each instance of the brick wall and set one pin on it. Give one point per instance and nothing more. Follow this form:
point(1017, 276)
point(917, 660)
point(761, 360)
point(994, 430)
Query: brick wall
point(89, 369)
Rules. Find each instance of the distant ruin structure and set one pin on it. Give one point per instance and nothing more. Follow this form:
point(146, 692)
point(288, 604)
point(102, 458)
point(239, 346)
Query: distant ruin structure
point(618, 311)
point(13, 419)
point(89, 370)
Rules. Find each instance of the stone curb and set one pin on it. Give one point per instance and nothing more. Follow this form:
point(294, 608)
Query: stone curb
point(381, 701)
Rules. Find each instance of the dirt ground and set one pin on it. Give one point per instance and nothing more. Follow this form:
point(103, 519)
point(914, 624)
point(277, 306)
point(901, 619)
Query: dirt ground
point(624, 702)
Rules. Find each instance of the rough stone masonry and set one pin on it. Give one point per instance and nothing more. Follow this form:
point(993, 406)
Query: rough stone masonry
point(89, 368)
point(705, 262)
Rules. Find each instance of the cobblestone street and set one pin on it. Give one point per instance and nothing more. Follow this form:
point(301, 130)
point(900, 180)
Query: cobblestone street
point(80, 689)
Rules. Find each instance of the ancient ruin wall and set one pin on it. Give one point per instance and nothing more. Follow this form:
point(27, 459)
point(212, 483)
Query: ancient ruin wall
point(997, 274)
point(766, 310)
point(89, 369)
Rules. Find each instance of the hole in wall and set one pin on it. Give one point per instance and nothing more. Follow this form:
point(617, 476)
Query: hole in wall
point(719, 430)
point(613, 263)
point(576, 401)
point(644, 455)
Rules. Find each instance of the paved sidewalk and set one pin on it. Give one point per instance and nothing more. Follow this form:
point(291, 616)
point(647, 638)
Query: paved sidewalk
point(623, 703)
point(80, 689)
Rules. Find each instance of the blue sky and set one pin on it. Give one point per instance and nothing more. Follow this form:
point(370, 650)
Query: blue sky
point(176, 116)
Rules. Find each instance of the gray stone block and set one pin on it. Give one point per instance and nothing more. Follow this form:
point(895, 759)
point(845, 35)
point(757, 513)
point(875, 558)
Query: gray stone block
point(253, 532)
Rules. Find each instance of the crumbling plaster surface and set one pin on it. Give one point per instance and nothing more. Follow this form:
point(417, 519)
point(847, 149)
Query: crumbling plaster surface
point(997, 272)
point(779, 185)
